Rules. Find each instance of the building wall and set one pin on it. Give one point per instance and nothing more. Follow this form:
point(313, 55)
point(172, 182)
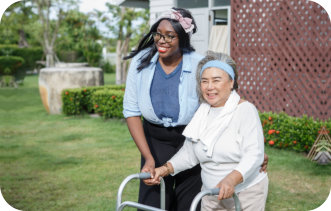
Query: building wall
point(157, 7)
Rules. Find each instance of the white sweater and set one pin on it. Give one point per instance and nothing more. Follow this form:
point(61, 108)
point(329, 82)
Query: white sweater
point(240, 147)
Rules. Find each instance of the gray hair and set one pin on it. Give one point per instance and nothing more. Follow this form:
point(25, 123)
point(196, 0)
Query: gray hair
point(211, 55)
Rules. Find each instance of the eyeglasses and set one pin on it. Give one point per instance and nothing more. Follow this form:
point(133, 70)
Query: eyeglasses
point(167, 38)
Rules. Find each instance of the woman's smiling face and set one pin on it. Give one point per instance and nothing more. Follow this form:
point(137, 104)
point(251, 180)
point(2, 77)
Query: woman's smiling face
point(216, 86)
point(167, 49)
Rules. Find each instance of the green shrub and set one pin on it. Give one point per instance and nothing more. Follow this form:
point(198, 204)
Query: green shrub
point(296, 133)
point(108, 103)
point(108, 67)
point(9, 65)
point(92, 51)
point(71, 100)
point(89, 91)
point(29, 54)
point(84, 96)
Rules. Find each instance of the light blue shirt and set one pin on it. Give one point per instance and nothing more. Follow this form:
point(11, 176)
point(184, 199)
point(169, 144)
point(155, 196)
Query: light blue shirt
point(137, 99)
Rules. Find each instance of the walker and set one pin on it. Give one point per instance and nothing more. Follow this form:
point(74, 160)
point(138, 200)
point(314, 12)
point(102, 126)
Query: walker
point(120, 205)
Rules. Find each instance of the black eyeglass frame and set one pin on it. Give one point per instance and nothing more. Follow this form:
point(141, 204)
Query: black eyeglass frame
point(166, 37)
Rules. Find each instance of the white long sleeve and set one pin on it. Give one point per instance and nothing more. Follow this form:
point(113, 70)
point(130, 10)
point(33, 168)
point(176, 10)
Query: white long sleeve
point(185, 158)
point(252, 144)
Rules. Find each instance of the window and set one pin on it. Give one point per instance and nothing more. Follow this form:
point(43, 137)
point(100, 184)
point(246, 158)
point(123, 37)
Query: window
point(217, 3)
point(192, 3)
point(220, 17)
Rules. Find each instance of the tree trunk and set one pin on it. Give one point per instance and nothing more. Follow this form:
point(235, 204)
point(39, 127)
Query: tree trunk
point(118, 62)
point(125, 50)
point(50, 58)
point(22, 40)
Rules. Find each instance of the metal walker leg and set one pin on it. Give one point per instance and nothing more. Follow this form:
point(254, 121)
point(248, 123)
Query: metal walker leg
point(120, 205)
point(214, 191)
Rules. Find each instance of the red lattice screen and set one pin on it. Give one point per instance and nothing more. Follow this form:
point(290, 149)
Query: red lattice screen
point(282, 51)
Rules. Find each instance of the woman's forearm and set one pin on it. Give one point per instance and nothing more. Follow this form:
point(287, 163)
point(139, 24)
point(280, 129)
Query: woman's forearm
point(234, 177)
point(137, 132)
point(227, 185)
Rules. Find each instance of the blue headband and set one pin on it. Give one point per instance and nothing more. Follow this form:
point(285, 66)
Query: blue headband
point(221, 65)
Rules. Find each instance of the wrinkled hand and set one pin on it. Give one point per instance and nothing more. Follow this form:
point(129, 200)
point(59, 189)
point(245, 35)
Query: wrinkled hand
point(264, 164)
point(159, 172)
point(149, 167)
point(226, 187)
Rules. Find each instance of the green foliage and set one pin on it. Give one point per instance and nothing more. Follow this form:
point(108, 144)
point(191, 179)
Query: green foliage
point(10, 64)
point(15, 26)
point(77, 38)
point(109, 103)
point(286, 132)
point(127, 25)
point(92, 51)
point(29, 54)
point(120, 23)
point(71, 102)
point(79, 101)
point(7, 80)
point(108, 67)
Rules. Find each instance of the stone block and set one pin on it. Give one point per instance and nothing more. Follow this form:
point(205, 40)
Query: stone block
point(52, 81)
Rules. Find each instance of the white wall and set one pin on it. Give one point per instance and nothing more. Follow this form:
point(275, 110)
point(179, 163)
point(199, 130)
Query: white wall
point(200, 38)
point(157, 7)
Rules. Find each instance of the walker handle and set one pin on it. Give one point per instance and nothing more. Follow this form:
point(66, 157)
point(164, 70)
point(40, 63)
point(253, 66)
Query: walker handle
point(144, 175)
point(214, 191)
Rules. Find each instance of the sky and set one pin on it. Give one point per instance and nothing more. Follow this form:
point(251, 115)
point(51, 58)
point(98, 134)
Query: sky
point(87, 6)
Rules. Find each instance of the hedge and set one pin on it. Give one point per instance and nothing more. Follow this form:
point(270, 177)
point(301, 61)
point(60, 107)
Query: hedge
point(79, 101)
point(29, 54)
point(72, 103)
point(9, 65)
point(296, 133)
point(108, 103)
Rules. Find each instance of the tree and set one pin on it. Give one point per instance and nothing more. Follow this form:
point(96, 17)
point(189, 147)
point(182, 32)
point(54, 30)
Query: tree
point(78, 38)
point(126, 24)
point(51, 13)
point(15, 24)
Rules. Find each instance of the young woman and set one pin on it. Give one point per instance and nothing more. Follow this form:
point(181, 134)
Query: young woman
point(161, 88)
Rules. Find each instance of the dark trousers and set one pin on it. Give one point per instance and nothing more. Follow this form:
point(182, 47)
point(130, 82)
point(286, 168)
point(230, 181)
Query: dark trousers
point(181, 188)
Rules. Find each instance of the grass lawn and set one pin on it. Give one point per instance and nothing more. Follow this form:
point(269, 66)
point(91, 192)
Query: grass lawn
point(55, 162)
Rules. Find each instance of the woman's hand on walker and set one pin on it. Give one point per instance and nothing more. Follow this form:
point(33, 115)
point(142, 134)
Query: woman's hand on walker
point(226, 189)
point(264, 164)
point(227, 184)
point(162, 171)
point(149, 167)
point(159, 172)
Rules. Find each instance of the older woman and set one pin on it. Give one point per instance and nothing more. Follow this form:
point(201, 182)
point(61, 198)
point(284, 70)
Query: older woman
point(225, 136)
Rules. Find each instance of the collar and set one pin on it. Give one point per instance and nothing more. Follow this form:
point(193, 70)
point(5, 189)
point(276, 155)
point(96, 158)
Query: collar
point(186, 61)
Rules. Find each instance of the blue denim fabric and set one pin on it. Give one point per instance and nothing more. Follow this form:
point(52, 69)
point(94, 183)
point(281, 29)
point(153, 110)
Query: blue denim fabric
point(164, 92)
point(137, 100)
